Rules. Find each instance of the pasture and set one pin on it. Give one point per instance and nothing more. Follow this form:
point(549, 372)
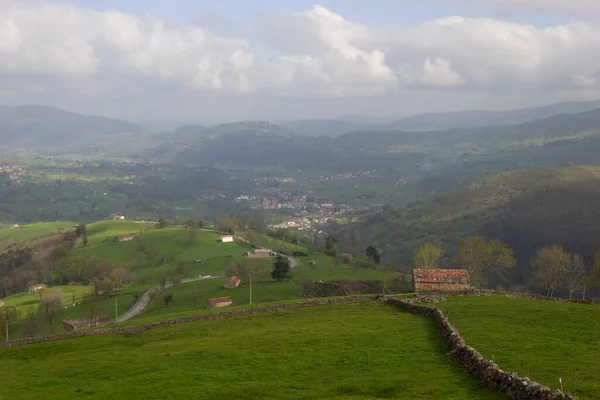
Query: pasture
point(352, 351)
point(542, 340)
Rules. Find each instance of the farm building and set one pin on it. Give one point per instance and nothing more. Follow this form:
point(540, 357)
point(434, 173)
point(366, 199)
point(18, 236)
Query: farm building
point(86, 322)
point(226, 239)
point(219, 302)
point(36, 288)
point(232, 282)
point(258, 253)
point(118, 217)
point(124, 238)
point(440, 280)
point(347, 258)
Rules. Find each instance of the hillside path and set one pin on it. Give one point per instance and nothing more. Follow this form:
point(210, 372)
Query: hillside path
point(143, 301)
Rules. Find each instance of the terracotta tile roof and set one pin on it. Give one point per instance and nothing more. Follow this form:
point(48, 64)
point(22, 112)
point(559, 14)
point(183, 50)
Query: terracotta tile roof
point(218, 300)
point(440, 276)
point(232, 282)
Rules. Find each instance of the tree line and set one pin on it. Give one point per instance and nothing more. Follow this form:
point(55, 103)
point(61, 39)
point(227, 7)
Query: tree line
point(554, 269)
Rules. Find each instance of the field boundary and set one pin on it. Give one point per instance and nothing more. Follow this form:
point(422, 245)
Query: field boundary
point(474, 363)
point(194, 318)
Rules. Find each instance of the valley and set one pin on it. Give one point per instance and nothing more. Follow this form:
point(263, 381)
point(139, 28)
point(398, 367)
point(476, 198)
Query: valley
point(85, 236)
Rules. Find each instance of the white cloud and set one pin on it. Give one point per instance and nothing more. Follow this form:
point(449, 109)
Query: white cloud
point(582, 8)
point(315, 53)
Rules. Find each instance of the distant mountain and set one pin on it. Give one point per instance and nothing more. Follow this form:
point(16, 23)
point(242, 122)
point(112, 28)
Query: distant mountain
point(50, 127)
point(190, 130)
point(324, 127)
point(436, 121)
point(483, 118)
point(561, 137)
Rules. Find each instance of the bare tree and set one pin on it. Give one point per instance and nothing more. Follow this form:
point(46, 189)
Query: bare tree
point(481, 257)
point(8, 317)
point(49, 308)
point(549, 265)
point(574, 275)
point(33, 324)
point(428, 256)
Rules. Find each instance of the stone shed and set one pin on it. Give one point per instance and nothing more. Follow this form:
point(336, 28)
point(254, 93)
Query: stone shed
point(219, 302)
point(441, 280)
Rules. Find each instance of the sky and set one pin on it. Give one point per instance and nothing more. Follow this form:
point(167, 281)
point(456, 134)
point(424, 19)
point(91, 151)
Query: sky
point(186, 61)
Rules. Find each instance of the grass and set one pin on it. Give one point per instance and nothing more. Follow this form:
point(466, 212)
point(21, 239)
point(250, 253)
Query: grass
point(30, 233)
point(183, 295)
point(353, 351)
point(542, 340)
point(172, 241)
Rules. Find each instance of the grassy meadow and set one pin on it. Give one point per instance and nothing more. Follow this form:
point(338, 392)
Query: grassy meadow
point(542, 340)
point(30, 233)
point(353, 351)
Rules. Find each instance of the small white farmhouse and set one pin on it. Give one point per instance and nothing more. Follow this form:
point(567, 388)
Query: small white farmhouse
point(227, 238)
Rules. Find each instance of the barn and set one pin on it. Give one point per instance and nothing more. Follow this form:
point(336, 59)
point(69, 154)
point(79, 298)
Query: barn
point(441, 280)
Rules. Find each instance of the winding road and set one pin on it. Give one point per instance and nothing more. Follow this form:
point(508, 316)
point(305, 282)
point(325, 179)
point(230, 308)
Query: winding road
point(143, 301)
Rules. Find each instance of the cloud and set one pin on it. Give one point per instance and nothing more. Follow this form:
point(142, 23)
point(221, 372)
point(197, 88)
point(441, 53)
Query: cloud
point(580, 8)
point(314, 54)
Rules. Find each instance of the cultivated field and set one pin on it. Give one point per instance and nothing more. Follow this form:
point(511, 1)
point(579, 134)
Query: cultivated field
point(353, 351)
point(542, 340)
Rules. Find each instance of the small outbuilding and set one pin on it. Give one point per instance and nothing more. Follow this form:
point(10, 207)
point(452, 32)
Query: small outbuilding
point(36, 288)
point(441, 280)
point(232, 282)
point(219, 302)
point(226, 239)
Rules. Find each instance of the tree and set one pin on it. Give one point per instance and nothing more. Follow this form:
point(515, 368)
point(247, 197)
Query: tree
point(168, 298)
point(120, 275)
point(332, 246)
point(33, 324)
point(593, 278)
point(481, 257)
point(575, 275)
point(106, 286)
point(49, 308)
point(8, 316)
point(162, 223)
point(81, 230)
point(549, 265)
point(281, 268)
point(428, 256)
point(373, 254)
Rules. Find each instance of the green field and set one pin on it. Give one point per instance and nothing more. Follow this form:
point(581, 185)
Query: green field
point(354, 351)
point(176, 244)
point(30, 233)
point(542, 340)
point(172, 242)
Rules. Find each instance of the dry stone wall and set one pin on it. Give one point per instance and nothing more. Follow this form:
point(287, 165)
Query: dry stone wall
point(474, 363)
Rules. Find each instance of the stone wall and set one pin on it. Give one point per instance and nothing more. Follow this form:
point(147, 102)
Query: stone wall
point(475, 364)
point(441, 287)
point(84, 323)
point(182, 320)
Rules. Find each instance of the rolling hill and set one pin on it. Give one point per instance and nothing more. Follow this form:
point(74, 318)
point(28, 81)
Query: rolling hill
point(32, 126)
point(526, 209)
